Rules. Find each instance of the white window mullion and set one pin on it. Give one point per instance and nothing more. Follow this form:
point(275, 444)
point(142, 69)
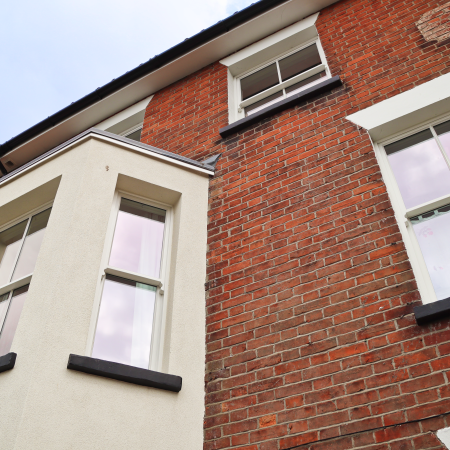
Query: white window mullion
point(441, 148)
point(21, 248)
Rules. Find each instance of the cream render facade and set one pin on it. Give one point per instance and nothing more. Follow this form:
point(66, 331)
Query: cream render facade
point(47, 406)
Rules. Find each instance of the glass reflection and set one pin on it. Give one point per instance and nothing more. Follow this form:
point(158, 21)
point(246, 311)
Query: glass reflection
point(419, 168)
point(124, 327)
point(10, 241)
point(259, 81)
point(138, 239)
point(299, 62)
point(12, 318)
point(28, 255)
point(432, 232)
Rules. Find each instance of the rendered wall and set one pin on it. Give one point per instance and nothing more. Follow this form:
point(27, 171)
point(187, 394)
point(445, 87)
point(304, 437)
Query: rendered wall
point(311, 337)
point(46, 406)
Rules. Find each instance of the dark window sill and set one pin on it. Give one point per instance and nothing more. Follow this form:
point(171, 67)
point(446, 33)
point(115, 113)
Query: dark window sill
point(122, 372)
point(313, 91)
point(432, 311)
point(7, 361)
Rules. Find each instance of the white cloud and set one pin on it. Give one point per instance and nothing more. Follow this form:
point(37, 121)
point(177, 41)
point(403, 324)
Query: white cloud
point(54, 52)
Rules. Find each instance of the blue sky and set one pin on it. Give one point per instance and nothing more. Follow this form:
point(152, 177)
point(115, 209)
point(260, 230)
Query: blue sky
point(54, 52)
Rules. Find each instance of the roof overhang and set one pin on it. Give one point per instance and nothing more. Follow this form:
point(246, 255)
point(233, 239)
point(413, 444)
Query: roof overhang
point(206, 167)
point(226, 37)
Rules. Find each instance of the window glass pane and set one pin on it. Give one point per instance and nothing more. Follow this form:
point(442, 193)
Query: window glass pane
point(266, 101)
point(259, 81)
point(138, 239)
point(10, 241)
point(135, 135)
point(419, 168)
point(32, 245)
point(300, 84)
point(433, 233)
point(12, 319)
point(124, 327)
point(299, 62)
point(443, 131)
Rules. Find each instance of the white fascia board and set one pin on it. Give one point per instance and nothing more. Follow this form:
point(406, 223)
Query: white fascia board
point(272, 46)
point(246, 34)
point(406, 110)
point(444, 436)
point(126, 118)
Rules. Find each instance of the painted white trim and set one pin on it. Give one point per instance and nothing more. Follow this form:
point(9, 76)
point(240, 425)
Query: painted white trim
point(444, 436)
point(110, 140)
point(159, 315)
point(138, 109)
point(265, 52)
point(267, 48)
point(408, 109)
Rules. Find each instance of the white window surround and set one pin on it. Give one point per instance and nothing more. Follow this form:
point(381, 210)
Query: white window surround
point(264, 52)
point(389, 121)
point(160, 313)
point(128, 120)
point(12, 285)
point(444, 436)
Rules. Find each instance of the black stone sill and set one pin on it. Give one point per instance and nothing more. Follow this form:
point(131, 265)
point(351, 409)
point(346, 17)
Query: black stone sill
point(122, 372)
point(7, 361)
point(432, 311)
point(302, 96)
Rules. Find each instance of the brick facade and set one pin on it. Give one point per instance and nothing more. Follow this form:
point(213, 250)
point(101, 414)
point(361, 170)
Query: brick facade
point(311, 340)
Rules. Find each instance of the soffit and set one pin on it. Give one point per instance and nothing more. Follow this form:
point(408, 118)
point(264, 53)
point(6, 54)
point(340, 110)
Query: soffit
point(237, 38)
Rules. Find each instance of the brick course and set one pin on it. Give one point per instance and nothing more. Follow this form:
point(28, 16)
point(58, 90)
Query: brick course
point(311, 340)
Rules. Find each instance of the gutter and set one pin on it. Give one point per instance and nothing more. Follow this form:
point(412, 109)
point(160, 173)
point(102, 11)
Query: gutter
point(142, 70)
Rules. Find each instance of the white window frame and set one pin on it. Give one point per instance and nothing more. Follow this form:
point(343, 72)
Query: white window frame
point(403, 215)
point(131, 130)
point(241, 104)
point(160, 311)
point(12, 285)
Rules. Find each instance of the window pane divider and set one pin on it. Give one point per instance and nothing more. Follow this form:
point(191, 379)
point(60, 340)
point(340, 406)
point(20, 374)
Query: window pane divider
point(285, 84)
point(15, 284)
point(441, 148)
point(134, 277)
point(425, 207)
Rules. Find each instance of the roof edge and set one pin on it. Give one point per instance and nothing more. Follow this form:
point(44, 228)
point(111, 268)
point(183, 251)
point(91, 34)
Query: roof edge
point(205, 167)
point(151, 65)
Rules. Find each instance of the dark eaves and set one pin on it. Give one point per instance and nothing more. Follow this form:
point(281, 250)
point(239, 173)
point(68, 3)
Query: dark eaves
point(151, 65)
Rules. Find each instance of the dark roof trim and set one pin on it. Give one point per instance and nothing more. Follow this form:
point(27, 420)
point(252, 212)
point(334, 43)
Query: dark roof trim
point(313, 91)
point(151, 65)
point(202, 165)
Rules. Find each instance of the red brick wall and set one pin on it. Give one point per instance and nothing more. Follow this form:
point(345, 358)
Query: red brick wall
point(311, 340)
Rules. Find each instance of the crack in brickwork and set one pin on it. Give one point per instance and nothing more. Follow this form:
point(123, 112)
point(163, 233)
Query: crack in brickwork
point(309, 293)
point(435, 24)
